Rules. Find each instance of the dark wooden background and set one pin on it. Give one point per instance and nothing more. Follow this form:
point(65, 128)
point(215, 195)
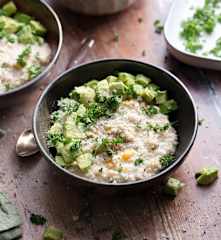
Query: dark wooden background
point(35, 187)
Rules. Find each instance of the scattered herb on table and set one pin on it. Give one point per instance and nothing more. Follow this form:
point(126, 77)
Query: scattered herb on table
point(158, 26)
point(37, 219)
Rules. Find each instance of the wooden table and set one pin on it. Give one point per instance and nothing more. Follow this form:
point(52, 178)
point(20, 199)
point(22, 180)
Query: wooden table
point(194, 214)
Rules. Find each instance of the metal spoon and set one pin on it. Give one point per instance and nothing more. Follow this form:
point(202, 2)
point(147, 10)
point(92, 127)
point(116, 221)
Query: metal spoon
point(26, 145)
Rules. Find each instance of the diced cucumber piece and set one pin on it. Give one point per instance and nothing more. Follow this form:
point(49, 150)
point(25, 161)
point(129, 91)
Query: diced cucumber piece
point(154, 86)
point(207, 175)
point(38, 28)
point(161, 97)
point(173, 186)
point(26, 36)
point(9, 8)
point(138, 89)
point(71, 130)
point(149, 94)
point(84, 161)
point(60, 161)
point(83, 94)
point(117, 87)
point(142, 80)
point(126, 78)
point(102, 90)
point(111, 79)
point(9, 25)
point(92, 84)
point(23, 18)
point(168, 106)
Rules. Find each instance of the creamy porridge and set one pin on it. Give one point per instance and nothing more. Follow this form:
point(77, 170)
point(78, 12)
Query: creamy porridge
point(114, 130)
point(23, 50)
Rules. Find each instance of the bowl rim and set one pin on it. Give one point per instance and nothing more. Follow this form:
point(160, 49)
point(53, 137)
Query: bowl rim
point(53, 60)
point(165, 171)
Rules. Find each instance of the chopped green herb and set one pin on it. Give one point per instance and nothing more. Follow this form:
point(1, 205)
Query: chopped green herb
point(138, 162)
point(151, 110)
point(167, 160)
point(158, 26)
point(54, 138)
point(34, 71)
point(68, 105)
point(75, 145)
point(37, 219)
point(22, 58)
point(158, 128)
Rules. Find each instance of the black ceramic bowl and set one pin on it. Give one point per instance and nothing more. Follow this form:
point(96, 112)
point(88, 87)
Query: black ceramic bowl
point(186, 115)
point(45, 14)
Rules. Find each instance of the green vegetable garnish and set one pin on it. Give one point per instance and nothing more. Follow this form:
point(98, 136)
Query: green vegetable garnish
point(167, 160)
point(138, 162)
point(158, 26)
point(173, 186)
point(37, 219)
point(34, 71)
point(158, 128)
point(54, 138)
point(52, 233)
point(207, 175)
point(151, 110)
point(22, 58)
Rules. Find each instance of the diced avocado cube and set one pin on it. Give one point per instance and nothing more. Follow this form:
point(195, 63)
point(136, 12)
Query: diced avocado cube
point(26, 36)
point(154, 86)
point(84, 161)
point(83, 94)
point(71, 130)
point(207, 175)
point(102, 90)
point(149, 94)
point(117, 87)
point(142, 80)
point(161, 97)
point(9, 25)
point(173, 186)
point(60, 161)
point(138, 89)
point(9, 8)
point(92, 84)
point(126, 78)
point(111, 79)
point(2, 13)
point(23, 18)
point(38, 28)
point(52, 233)
point(168, 106)
point(81, 110)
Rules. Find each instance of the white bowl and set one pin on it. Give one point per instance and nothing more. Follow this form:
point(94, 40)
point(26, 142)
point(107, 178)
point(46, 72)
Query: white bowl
point(97, 7)
point(180, 11)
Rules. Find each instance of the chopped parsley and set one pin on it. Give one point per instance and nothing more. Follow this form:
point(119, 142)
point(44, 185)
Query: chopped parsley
point(158, 26)
point(34, 70)
point(37, 219)
point(167, 160)
point(75, 145)
point(158, 128)
point(54, 138)
point(151, 110)
point(202, 22)
point(138, 162)
point(22, 58)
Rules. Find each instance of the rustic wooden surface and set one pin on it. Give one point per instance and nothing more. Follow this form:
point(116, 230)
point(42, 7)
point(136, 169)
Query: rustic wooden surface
point(194, 214)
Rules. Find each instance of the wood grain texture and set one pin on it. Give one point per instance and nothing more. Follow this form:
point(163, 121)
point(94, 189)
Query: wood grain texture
point(35, 187)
